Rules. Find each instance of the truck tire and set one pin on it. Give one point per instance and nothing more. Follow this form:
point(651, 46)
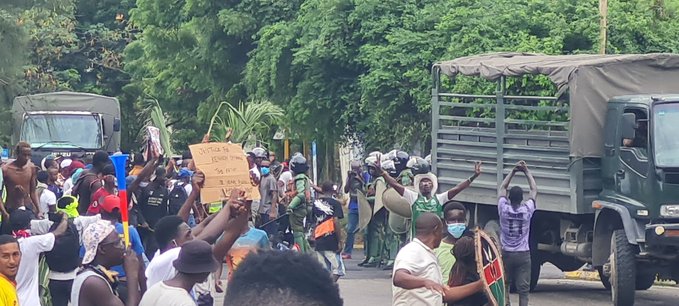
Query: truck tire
point(623, 265)
point(645, 280)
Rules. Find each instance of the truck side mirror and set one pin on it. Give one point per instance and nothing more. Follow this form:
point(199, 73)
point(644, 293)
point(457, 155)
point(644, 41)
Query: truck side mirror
point(628, 126)
point(116, 124)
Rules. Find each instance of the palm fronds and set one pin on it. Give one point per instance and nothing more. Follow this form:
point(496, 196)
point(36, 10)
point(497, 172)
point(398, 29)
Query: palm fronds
point(248, 120)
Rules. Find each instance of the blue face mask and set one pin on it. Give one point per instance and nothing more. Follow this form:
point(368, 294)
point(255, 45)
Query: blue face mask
point(265, 170)
point(457, 229)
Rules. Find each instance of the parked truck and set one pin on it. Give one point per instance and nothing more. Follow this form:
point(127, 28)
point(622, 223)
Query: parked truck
point(65, 123)
point(604, 151)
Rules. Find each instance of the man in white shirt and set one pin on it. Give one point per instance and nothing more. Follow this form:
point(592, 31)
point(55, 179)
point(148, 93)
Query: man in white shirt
point(31, 246)
point(417, 275)
point(47, 199)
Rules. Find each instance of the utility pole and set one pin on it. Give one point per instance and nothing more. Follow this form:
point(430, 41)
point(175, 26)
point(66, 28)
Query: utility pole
point(603, 26)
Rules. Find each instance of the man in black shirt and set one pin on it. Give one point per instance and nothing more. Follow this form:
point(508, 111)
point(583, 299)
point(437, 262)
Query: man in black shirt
point(153, 205)
point(327, 211)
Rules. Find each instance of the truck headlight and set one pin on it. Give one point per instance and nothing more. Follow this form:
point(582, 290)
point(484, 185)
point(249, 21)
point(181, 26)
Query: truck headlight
point(670, 211)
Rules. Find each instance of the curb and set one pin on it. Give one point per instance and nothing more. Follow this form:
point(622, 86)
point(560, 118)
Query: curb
point(582, 275)
point(594, 276)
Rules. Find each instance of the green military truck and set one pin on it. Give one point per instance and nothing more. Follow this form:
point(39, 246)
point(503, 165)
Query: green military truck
point(603, 149)
point(65, 123)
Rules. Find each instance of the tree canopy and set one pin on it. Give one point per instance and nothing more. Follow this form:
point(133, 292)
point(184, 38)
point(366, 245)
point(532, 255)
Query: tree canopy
point(338, 69)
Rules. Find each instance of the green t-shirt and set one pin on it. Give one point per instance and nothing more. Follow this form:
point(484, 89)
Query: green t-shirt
point(446, 259)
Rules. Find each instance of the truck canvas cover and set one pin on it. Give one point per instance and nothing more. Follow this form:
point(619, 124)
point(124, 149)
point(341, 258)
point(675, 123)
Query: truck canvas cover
point(590, 79)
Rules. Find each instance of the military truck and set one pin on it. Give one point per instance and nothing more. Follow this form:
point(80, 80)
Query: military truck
point(65, 123)
point(603, 150)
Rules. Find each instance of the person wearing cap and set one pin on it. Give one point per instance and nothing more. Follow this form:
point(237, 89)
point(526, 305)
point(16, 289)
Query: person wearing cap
point(68, 172)
point(108, 176)
point(31, 247)
point(95, 284)
point(427, 200)
point(172, 233)
point(193, 265)
point(109, 210)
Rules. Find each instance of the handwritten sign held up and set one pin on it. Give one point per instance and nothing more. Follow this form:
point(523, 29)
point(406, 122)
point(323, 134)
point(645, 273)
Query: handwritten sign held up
point(225, 168)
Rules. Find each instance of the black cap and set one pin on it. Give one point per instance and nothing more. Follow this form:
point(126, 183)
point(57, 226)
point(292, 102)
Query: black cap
point(196, 257)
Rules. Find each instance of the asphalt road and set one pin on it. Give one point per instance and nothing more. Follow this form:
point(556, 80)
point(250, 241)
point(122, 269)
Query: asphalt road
point(372, 286)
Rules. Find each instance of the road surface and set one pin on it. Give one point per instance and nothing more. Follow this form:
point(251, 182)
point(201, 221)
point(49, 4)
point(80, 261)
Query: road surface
point(372, 286)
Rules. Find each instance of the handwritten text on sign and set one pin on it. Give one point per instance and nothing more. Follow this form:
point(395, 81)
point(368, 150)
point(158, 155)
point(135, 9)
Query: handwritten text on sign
point(225, 168)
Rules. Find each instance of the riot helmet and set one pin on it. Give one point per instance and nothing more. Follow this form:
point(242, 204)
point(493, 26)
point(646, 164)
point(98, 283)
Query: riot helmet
point(298, 164)
point(400, 159)
point(390, 167)
point(419, 166)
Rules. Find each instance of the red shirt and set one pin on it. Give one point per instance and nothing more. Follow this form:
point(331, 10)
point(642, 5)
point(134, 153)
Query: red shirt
point(100, 194)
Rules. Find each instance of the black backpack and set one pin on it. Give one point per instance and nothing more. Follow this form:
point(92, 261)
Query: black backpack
point(177, 197)
point(65, 255)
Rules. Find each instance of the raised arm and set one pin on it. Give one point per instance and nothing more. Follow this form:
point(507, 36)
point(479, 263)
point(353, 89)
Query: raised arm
point(531, 182)
point(462, 186)
point(502, 191)
point(197, 184)
point(387, 178)
point(234, 227)
point(455, 294)
point(144, 174)
point(63, 225)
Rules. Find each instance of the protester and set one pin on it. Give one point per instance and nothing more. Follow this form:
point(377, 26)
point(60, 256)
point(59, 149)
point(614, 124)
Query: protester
point(153, 205)
point(282, 279)
point(268, 203)
point(20, 180)
point(10, 258)
point(427, 200)
point(95, 284)
point(464, 272)
point(110, 211)
point(172, 232)
point(52, 184)
point(89, 181)
point(71, 172)
point(354, 184)
point(193, 265)
point(31, 247)
point(108, 176)
point(327, 212)
point(417, 275)
point(251, 240)
point(137, 164)
point(515, 216)
point(48, 200)
point(455, 217)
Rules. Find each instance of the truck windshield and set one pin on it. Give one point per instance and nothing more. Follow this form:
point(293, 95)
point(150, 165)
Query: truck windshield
point(62, 131)
point(666, 142)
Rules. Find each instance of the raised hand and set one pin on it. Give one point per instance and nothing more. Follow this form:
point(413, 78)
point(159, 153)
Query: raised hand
point(477, 168)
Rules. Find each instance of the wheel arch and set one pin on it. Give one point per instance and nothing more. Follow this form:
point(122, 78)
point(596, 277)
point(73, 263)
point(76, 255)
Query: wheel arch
point(609, 218)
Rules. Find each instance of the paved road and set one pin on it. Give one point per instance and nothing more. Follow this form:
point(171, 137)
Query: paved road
point(372, 286)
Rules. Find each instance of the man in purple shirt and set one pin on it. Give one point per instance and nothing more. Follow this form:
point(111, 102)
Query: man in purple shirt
point(515, 215)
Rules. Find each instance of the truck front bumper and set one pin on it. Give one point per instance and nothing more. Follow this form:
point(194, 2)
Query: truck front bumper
point(660, 235)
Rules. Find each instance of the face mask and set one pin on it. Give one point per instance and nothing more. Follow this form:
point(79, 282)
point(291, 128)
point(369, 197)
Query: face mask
point(265, 170)
point(457, 229)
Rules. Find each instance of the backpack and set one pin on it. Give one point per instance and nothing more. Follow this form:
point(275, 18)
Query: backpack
point(65, 255)
point(177, 198)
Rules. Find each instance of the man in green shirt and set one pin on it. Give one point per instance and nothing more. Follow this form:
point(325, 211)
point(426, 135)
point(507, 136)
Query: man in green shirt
point(455, 218)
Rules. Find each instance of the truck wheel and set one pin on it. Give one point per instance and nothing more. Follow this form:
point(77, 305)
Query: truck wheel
point(605, 280)
point(645, 280)
point(623, 265)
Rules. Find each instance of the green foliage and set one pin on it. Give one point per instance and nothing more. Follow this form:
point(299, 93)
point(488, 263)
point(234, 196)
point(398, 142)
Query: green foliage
point(253, 120)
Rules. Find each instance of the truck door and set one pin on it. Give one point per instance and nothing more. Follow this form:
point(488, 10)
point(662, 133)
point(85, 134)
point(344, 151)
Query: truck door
point(632, 170)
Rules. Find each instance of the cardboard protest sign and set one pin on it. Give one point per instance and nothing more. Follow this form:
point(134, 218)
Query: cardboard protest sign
point(490, 267)
point(225, 168)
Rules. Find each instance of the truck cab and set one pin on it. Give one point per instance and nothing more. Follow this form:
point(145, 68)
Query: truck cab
point(639, 203)
point(65, 123)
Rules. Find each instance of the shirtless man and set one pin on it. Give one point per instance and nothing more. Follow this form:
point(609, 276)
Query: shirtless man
point(20, 179)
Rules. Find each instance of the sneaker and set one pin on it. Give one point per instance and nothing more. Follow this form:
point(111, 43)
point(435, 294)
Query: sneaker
point(346, 256)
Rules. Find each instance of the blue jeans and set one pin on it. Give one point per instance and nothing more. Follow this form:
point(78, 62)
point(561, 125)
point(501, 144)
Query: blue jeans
point(352, 224)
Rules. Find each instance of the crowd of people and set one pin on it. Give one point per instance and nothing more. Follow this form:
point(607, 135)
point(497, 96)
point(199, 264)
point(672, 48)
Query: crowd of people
point(65, 215)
